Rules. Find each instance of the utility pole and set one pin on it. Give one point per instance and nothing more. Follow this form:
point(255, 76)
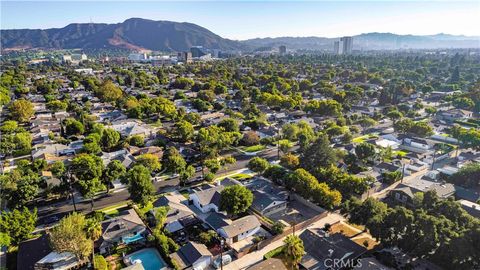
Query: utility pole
point(221, 253)
point(69, 180)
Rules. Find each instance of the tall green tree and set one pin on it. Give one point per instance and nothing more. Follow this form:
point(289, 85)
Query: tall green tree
point(140, 184)
point(235, 199)
point(18, 224)
point(70, 235)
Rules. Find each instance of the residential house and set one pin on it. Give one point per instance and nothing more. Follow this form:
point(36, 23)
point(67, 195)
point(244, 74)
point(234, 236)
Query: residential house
point(404, 193)
point(58, 261)
point(417, 145)
point(208, 200)
point(240, 229)
point(267, 197)
point(269, 264)
point(321, 249)
point(122, 155)
point(125, 229)
point(472, 208)
point(178, 216)
point(192, 256)
point(36, 254)
point(217, 221)
point(129, 127)
point(454, 115)
point(52, 152)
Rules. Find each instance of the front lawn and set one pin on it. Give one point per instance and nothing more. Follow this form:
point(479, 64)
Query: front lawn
point(254, 148)
point(363, 138)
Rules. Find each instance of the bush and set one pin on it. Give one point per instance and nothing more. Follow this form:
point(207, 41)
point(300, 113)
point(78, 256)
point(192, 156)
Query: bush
point(274, 253)
point(278, 227)
point(100, 263)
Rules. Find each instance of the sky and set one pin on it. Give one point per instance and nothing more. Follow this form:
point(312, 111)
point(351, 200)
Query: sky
point(252, 19)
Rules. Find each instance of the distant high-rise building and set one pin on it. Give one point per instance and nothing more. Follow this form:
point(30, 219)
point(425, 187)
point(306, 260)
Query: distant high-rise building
point(347, 44)
point(282, 49)
point(336, 47)
point(197, 51)
point(185, 57)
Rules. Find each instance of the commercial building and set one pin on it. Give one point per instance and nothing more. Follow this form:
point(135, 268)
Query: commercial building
point(197, 51)
point(343, 46)
point(347, 44)
point(282, 49)
point(184, 57)
point(336, 47)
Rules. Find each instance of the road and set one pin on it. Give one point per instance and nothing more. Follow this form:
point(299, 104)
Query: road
point(61, 209)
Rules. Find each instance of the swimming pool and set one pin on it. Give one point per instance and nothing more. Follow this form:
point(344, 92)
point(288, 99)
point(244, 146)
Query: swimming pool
point(150, 258)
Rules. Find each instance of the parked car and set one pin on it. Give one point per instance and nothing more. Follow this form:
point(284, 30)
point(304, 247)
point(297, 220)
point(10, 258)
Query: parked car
point(225, 258)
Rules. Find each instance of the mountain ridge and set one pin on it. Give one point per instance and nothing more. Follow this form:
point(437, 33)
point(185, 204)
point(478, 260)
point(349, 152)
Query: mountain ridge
point(145, 35)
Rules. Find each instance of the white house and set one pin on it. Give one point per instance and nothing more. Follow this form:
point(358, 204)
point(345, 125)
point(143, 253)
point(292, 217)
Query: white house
point(240, 229)
point(208, 200)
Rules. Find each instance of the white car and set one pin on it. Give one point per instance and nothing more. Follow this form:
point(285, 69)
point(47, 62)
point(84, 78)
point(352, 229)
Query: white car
point(226, 260)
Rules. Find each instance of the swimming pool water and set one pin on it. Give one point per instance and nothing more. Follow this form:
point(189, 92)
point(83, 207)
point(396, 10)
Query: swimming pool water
point(150, 258)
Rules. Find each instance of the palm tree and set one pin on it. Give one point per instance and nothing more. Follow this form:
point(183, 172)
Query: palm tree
point(294, 249)
point(93, 228)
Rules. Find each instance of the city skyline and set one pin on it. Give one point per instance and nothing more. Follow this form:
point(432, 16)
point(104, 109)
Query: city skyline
point(322, 19)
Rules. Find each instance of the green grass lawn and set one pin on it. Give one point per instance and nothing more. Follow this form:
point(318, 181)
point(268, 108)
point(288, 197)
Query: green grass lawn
point(145, 209)
point(241, 176)
point(400, 153)
point(185, 194)
point(114, 210)
point(364, 138)
point(254, 148)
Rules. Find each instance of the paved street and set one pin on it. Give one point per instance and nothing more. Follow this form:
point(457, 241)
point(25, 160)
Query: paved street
point(65, 207)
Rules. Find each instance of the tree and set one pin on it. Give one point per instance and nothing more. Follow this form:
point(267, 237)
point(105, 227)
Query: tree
point(235, 199)
point(136, 140)
point(149, 161)
point(109, 139)
point(9, 126)
point(290, 161)
point(318, 154)
point(88, 169)
point(184, 130)
point(109, 92)
point(250, 138)
point(278, 227)
point(21, 110)
point(294, 249)
point(229, 124)
point(186, 174)
point(140, 184)
point(56, 105)
point(114, 170)
point(174, 161)
point(394, 115)
point(207, 237)
point(284, 145)
point(91, 144)
point(365, 150)
point(258, 164)
point(73, 127)
point(57, 168)
point(70, 236)
point(161, 214)
point(100, 263)
point(468, 176)
point(17, 224)
point(213, 165)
